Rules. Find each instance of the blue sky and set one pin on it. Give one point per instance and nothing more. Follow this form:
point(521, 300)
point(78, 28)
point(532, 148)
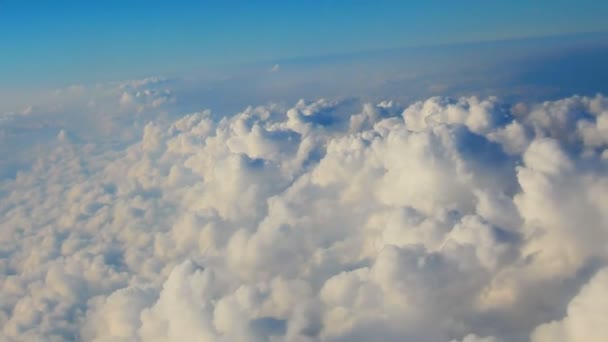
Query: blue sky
point(62, 42)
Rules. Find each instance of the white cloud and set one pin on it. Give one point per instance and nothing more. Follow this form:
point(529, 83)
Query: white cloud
point(475, 338)
point(586, 317)
point(449, 220)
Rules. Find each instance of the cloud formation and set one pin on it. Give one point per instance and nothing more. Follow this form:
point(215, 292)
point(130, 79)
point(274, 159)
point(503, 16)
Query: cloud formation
point(447, 220)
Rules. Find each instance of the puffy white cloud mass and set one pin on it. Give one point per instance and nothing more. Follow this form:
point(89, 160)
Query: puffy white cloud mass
point(448, 220)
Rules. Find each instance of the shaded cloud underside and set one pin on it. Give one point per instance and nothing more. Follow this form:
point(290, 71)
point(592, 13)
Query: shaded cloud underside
point(448, 220)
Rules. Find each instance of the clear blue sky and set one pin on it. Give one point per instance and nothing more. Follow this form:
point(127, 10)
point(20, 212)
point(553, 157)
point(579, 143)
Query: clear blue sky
point(59, 42)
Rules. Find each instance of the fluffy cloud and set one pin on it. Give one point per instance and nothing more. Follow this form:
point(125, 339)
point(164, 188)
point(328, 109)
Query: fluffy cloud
point(586, 319)
point(448, 220)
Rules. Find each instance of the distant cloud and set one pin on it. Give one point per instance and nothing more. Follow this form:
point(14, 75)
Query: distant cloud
point(275, 68)
point(466, 219)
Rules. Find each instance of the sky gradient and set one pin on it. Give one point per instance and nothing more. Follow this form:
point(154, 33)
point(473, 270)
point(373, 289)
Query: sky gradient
point(65, 42)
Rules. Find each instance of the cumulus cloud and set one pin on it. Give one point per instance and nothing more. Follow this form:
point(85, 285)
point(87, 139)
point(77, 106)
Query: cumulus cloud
point(447, 220)
point(586, 319)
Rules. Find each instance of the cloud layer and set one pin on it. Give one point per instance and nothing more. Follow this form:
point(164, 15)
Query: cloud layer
point(448, 220)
